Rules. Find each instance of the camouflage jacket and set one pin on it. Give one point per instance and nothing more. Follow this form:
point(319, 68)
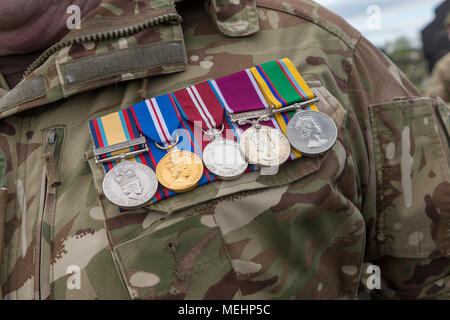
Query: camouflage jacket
point(380, 196)
point(439, 83)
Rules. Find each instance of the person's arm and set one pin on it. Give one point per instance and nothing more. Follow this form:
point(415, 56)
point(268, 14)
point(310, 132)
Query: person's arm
point(439, 83)
point(405, 178)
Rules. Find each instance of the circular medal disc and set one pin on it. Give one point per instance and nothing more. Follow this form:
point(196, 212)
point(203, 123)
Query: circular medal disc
point(265, 147)
point(179, 170)
point(130, 184)
point(224, 158)
point(311, 132)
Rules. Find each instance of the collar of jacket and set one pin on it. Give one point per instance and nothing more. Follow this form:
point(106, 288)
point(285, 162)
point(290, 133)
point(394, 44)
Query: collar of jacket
point(120, 40)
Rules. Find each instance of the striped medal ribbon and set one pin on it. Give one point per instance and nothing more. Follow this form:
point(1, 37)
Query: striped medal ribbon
point(129, 181)
point(263, 145)
point(179, 170)
point(202, 109)
point(282, 85)
point(143, 133)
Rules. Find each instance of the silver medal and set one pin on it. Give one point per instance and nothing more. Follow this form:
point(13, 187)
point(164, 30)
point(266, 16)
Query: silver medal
point(311, 132)
point(265, 146)
point(223, 157)
point(130, 184)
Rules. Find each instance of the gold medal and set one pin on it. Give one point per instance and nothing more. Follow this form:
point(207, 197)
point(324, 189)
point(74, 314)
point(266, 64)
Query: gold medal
point(179, 170)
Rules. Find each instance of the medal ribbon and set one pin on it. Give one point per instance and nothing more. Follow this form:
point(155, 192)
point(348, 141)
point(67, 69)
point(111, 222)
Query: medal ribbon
point(198, 103)
point(282, 85)
point(201, 103)
point(276, 83)
point(115, 128)
point(239, 92)
point(159, 118)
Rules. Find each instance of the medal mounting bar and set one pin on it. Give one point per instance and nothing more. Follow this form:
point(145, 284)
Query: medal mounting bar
point(121, 146)
point(295, 106)
point(242, 117)
point(263, 115)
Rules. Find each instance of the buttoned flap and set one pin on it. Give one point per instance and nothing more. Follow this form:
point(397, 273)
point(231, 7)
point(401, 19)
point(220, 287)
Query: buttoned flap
point(291, 171)
point(185, 246)
point(413, 177)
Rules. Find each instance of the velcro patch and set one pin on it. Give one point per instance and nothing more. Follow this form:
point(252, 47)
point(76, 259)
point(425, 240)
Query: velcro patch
point(123, 61)
point(28, 90)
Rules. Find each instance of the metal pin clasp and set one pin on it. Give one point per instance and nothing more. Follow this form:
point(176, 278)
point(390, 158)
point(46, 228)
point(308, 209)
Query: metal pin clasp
point(171, 146)
point(141, 142)
point(256, 117)
point(296, 106)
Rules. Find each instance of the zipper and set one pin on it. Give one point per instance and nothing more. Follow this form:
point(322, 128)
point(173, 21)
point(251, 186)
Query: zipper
point(49, 182)
point(171, 18)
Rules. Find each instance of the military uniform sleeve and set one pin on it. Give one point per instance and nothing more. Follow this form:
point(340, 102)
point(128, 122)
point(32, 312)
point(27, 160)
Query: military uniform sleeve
point(439, 83)
point(404, 177)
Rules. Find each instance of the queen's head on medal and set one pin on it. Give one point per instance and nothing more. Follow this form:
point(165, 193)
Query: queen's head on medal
point(307, 126)
point(310, 131)
point(179, 169)
point(129, 183)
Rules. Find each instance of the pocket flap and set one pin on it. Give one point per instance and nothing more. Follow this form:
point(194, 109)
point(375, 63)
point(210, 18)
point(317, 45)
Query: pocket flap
point(413, 179)
point(289, 172)
point(179, 261)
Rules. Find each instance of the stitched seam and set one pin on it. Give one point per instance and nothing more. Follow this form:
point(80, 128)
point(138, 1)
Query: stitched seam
point(122, 272)
point(117, 75)
point(19, 238)
point(113, 252)
point(16, 207)
point(419, 103)
point(25, 179)
point(10, 106)
point(379, 226)
point(307, 16)
point(228, 256)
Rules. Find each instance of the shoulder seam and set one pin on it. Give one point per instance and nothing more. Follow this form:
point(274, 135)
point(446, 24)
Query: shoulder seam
point(321, 23)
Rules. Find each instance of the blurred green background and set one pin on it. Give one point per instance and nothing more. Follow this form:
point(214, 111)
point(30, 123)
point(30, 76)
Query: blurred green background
point(410, 32)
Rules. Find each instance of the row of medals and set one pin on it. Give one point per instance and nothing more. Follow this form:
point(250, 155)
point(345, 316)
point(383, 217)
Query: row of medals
point(132, 184)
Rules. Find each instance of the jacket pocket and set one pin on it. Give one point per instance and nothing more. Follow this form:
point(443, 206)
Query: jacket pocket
point(287, 173)
point(179, 258)
point(180, 247)
point(413, 178)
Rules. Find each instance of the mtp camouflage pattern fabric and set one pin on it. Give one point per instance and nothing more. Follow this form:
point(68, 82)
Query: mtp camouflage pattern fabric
point(439, 83)
point(380, 196)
